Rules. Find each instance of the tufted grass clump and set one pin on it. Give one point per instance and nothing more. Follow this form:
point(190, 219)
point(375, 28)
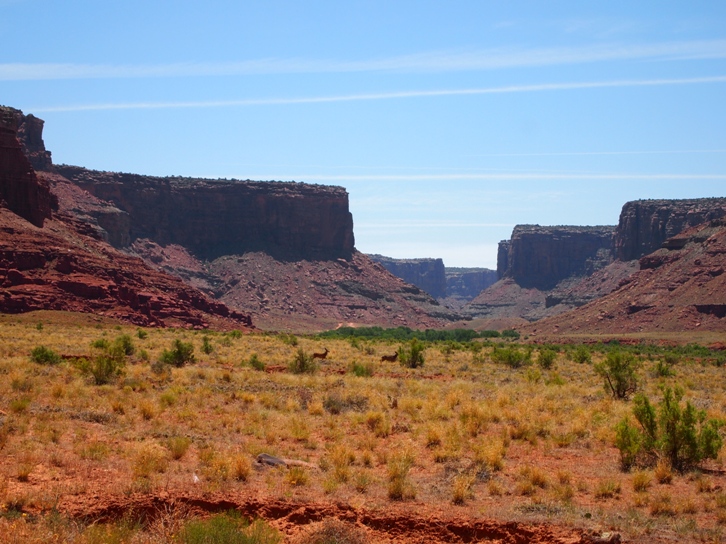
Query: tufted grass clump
point(399, 485)
point(227, 528)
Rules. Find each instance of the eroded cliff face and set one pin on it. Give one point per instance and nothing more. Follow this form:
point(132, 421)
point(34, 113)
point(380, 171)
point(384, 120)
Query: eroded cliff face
point(212, 218)
point(20, 189)
point(427, 274)
point(467, 283)
point(30, 135)
point(645, 224)
point(679, 287)
point(541, 257)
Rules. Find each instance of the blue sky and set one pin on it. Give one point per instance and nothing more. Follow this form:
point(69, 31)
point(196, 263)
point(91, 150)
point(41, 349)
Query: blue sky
point(448, 122)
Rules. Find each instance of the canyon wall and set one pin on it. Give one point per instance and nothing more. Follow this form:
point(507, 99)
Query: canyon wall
point(20, 189)
point(646, 224)
point(427, 274)
point(467, 283)
point(228, 217)
point(540, 257)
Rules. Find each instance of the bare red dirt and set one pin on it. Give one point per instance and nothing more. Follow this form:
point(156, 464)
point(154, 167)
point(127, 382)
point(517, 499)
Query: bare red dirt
point(396, 524)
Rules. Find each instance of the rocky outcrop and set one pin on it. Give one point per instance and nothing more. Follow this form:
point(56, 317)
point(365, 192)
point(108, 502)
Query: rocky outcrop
point(212, 218)
point(467, 283)
point(679, 288)
point(304, 295)
point(20, 189)
point(427, 274)
point(30, 135)
point(646, 224)
point(60, 268)
point(541, 257)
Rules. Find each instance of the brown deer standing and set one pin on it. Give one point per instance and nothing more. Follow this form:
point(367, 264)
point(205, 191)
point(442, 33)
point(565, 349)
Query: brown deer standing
point(322, 355)
point(390, 358)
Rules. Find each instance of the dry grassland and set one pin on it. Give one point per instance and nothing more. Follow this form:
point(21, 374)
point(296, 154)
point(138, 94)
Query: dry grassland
point(462, 434)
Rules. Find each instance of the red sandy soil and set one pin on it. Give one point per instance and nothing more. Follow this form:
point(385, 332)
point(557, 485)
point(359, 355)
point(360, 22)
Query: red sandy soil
point(63, 267)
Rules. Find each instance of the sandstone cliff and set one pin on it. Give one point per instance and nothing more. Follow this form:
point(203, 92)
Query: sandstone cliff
point(541, 257)
point(54, 261)
point(645, 224)
point(680, 287)
point(428, 274)
point(466, 283)
point(212, 218)
point(20, 189)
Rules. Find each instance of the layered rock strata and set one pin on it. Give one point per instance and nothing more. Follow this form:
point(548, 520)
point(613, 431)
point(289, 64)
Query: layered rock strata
point(541, 257)
point(646, 224)
point(680, 287)
point(20, 189)
point(212, 218)
point(428, 274)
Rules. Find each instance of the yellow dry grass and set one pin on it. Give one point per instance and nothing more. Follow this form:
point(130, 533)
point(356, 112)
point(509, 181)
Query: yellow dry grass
point(458, 432)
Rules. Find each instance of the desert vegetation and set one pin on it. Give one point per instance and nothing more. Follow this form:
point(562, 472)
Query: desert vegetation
point(480, 426)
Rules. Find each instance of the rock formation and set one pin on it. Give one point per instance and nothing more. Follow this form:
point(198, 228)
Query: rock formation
point(212, 218)
point(466, 283)
point(30, 135)
point(680, 287)
point(645, 224)
point(304, 295)
point(428, 274)
point(57, 262)
point(541, 257)
point(20, 189)
point(538, 262)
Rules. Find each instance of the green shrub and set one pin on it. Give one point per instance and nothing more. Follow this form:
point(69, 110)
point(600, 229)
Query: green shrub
point(546, 358)
point(581, 355)
point(181, 353)
point(663, 369)
point(207, 347)
point(254, 362)
point(142, 334)
point(235, 334)
point(362, 370)
point(124, 344)
point(681, 435)
point(302, 363)
point(44, 356)
point(106, 367)
point(619, 371)
point(510, 333)
point(412, 356)
point(511, 356)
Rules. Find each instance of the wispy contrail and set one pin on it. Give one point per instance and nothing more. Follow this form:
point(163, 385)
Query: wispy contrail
point(426, 62)
point(383, 96)
point(511, 177)
point(588, 153)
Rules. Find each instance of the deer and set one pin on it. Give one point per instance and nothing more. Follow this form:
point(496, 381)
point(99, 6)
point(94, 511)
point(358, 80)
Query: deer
point(390, 358)
point(322, 355)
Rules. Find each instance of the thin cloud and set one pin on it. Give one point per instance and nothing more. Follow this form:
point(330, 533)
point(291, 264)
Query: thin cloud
point(513, 177)
point(383, 96)
point(588, 153)
point(428, 62)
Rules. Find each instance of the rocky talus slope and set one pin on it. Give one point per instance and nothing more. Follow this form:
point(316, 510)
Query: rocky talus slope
point(54, 261)
point(281, 250)
point(304, 294)
point(680, 287)
point(645, 224)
